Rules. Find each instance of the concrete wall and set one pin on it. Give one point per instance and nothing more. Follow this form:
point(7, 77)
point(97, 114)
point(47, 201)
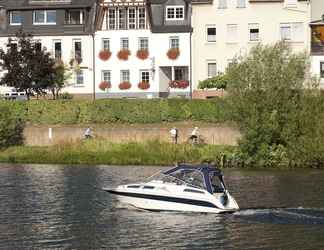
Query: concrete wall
point(212, 134)
point(317, 9)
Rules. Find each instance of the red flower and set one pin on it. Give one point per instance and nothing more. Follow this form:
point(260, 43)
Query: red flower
point(142, 54)
point(144, 85)
point(123, 54)
point(179, 84)
point(104, 85)
point(124, 85)
point(173, 53)
point(104, 55)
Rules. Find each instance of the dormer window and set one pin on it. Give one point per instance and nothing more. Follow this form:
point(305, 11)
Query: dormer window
point(74, 17)
point(174, 12)
point(45, 17)
point(15, 18)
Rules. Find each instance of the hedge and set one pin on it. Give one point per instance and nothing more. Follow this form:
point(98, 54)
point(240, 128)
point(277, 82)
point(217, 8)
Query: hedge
point(118, 111)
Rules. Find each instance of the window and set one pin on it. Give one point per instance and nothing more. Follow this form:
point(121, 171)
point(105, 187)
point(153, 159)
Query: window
point(79, 78)
point(180, 73)
point(124, 43)
point(111, 19)
point(77, 50)
point(74, 17)
point(241, 4)
point(232, 33)
point(222, 4)
point(143, 43)
point(141, 18)
point(254, 31)
point(47, 17)
point(57, 49)
point(174, 42)
point(285, 31)
point(131, 18)
point(106, 76)
point(15, 18)
point(174, 13)
point(145, 76)
point(106, 44)
point(211, 69)
point(322, 69)
point(122, 19)
point(124, 75)
point(211, 34)
point(292, 32)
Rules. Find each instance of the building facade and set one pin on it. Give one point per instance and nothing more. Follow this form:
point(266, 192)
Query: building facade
point(62, 27)
point(317, 39)
point(224, 29)
point(142, 49)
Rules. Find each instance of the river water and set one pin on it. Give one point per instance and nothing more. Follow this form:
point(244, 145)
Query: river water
point(62, 207)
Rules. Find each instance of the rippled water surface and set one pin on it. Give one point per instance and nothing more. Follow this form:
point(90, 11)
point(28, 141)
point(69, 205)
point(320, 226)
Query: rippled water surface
point(62, 207)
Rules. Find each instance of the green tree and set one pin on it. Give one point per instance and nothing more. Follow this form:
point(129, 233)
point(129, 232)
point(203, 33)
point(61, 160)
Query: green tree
point(271, 103)
point(28, 67)
point(11, 128)
point(61, 76)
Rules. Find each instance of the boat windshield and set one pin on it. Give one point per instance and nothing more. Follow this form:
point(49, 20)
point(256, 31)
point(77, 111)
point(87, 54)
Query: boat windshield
point(188, 177)
point(217, 183)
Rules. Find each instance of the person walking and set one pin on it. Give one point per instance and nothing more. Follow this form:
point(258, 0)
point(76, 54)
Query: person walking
point(88, 133)
point(174, 135)
point(194, 136)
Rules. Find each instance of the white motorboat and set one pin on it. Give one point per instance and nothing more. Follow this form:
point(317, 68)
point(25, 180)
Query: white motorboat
point(188, 188)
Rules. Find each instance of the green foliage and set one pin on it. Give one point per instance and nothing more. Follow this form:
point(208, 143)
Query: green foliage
point(61, 76)
point(219, 82)
point(119, 111)
point(29, 68)
point(11, 128)
point(275, 112)
point(103, 152)
point(65, 96)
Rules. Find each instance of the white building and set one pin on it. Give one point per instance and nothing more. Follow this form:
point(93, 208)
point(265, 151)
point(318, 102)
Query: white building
point(148, 28)
point(224, 29)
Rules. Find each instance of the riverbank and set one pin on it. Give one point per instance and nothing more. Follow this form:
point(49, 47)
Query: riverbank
point(95, 152)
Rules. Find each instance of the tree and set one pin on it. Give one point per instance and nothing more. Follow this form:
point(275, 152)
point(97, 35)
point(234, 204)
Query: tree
point(29, 68)
point(61, 76)
point(272, 105)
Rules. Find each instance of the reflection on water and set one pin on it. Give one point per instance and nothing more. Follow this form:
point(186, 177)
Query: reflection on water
point(51, 207)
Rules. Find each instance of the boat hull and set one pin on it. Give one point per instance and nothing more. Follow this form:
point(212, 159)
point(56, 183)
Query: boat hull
point(167, 203)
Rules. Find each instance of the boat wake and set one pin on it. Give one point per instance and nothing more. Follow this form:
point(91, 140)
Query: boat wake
point(300, 215)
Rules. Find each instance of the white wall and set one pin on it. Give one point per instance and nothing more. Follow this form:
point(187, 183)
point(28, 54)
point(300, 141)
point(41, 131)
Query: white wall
point(158, 47)
point(267, 15)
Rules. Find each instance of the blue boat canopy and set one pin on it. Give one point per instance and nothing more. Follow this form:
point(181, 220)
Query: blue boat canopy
point(206, 171)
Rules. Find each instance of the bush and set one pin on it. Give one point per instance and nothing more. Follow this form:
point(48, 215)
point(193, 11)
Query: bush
point(279, 118)
point(219, 82)
point(65, 96)
point(119, 110)
point(11, 128)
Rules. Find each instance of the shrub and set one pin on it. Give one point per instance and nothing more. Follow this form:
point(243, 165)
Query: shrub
point(104, 85)
point(142, 54)
point(123, 54)
point(65, 96)
point(104, 55)
point(144, 85)
point(179, 84)
point(11, 128)
point(173, 53)
point(125, 85)
point(218, 82)
point(279, 118)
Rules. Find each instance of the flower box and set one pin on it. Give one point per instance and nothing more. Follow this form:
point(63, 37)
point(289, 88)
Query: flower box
point(179, 84)
point(104, 55)
point(123, 54)
point(173, 53)
point(104, 85)
point(124, 85)
point(142, 54)
point(144, 85)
